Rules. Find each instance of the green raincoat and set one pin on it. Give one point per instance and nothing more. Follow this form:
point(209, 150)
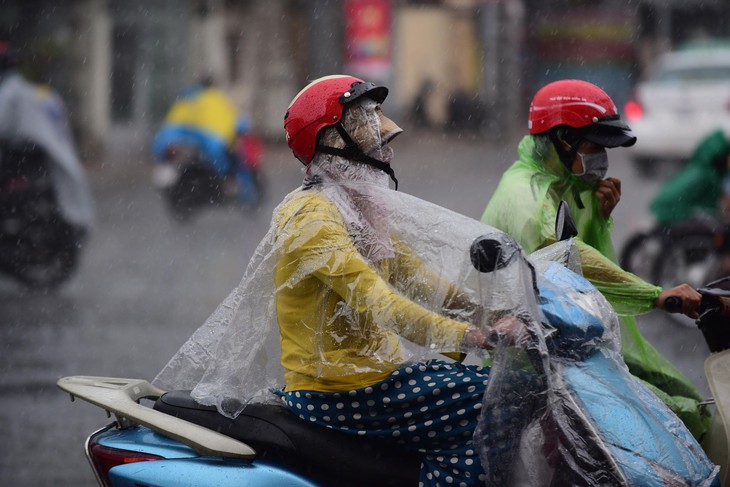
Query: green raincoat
point(698, 186)
point(525, 205)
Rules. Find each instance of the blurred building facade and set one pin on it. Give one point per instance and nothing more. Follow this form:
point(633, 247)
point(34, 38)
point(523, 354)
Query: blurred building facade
point(451, 64)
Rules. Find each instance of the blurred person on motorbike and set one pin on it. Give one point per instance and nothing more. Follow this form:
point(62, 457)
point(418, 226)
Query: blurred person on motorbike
point(205, 119)
point(46, 206)
point(701, 186)
point(571, 124)
point(35, 115)
point(349, 272)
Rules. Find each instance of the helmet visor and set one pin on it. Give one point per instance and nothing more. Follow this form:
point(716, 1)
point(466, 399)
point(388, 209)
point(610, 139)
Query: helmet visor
point(609, 132)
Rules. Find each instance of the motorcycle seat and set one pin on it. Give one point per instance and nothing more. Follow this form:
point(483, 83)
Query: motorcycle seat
point(326, 456)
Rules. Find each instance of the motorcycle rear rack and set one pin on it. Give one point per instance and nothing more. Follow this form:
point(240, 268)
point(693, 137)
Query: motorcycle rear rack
point(121, 397)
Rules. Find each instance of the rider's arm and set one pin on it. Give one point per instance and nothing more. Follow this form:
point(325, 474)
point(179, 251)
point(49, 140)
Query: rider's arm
point(627, 293)
point(321, 244)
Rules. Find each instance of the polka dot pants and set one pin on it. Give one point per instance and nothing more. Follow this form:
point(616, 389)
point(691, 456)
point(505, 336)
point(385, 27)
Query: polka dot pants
point(431, 407)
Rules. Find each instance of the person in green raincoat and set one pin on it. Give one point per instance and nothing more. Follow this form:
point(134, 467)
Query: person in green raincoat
point(698, 186)
point(564, 158)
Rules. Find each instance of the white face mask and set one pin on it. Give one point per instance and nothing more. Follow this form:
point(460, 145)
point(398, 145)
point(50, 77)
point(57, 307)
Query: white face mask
point(595, 165)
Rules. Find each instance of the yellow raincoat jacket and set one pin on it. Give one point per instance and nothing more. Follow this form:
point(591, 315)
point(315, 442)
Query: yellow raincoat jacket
point(320, 351)
point(525, 205)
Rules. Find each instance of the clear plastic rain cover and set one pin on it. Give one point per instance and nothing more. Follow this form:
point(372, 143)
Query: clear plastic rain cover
point(354, 279)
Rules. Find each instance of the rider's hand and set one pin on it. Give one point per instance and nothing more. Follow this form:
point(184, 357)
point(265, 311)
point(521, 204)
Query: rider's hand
point(608, 193)
point(690, 298)
point(508, 330)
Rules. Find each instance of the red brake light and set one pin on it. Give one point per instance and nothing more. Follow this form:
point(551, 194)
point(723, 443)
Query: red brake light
point(104, 458)
point(633, 110)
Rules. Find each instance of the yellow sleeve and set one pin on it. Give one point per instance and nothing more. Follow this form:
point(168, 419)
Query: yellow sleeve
point(627, 293)
point(324, 248)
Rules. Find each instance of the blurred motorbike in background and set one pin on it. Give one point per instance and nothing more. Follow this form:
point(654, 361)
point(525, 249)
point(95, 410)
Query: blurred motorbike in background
point(694, 251)
point(46, 207)
point(206, 154)
point(190, 182)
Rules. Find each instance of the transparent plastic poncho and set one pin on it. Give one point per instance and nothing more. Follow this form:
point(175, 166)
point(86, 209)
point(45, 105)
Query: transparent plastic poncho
point(352, 280)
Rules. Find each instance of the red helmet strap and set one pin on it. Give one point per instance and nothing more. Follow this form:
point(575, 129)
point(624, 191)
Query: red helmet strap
point(353, 152)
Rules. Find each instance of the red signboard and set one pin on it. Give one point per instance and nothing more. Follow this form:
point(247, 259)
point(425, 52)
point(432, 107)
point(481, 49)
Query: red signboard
point(368, 38)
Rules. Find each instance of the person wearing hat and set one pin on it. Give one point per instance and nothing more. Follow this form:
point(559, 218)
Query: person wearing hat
point(564, 157)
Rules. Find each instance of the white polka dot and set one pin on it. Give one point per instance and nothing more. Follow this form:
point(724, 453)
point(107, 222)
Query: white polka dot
point(353, 393)
point(401, 396)
point(467, 379)
point(478, 405)
point(461, 412)
point(454, 461)
point(299, 406)
point(469, 461)
point(361, 433)
point(368, 390)
point(325, 407)
point(297, 394)
point(412, 382)
point(451, 385)
point(408, 414)
point(370, 403)
point(471, 388)
point(396, 433)
point(469, 453)
point(312, 419)
point(341, 417)
point(428, 423)
point(386, 400)
point(339, 405)
point(455, 395)
point(397, 385)
point(409, 370)
point(416, 390)
point(431, 434)
point(384, 386)
point(445, 417)
point(440, 402)
point(356, 416)
point(431, 384)
point(436, 392)
point(426, 377)
point(310, 407)
point(326, 419)
point(447, 428)
point(308, 395)
point(420, 399)
point(412, 428)
point(355, 404)
point(423, 409)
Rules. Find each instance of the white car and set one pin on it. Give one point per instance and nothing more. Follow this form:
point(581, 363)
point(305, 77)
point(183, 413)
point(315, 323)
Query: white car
point(685, 97)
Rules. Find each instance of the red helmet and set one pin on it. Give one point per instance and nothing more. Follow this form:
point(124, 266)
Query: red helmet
point(580, 105)
point(321, 104)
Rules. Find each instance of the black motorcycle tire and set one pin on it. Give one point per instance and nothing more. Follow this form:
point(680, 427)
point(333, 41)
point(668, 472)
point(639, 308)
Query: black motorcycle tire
point(46, 255)
point(689, 258)
point(196, 188)
point(640, 253)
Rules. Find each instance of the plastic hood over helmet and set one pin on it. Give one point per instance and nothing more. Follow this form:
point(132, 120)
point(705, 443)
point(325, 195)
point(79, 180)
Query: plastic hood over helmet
point(324, 103)
point(582, 106)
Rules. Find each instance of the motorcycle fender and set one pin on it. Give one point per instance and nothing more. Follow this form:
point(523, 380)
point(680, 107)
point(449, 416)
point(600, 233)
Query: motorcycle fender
point(715, 443)
point(203, 472)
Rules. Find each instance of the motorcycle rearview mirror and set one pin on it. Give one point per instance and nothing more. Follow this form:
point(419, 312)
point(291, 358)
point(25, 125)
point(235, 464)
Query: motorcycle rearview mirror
point(564, 224)
point(492, 252)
